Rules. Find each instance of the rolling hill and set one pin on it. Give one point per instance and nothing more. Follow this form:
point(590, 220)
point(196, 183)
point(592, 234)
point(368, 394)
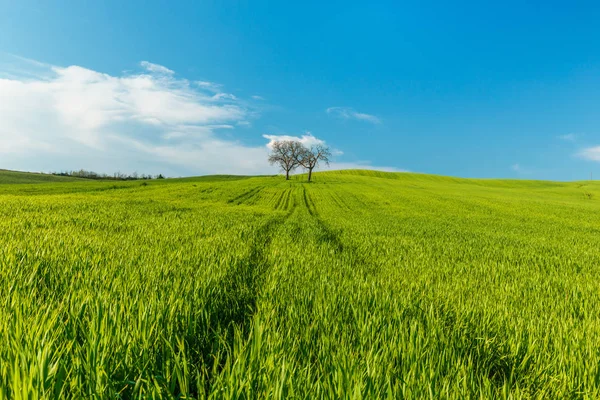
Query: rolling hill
point(14, 177)
point(361, 284)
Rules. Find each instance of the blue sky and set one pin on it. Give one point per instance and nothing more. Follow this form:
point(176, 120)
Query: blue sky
point(473, 89)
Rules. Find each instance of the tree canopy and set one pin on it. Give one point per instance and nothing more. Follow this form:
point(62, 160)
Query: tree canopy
point(291, 154)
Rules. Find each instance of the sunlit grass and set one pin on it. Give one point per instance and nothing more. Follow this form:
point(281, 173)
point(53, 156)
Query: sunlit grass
point(358, 285)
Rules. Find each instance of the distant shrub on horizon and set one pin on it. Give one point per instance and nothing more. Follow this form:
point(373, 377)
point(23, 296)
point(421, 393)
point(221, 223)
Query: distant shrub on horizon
point(117, 176)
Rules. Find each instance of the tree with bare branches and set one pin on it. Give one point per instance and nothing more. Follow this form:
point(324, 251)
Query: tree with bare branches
point(310, 158)
point(286, 154)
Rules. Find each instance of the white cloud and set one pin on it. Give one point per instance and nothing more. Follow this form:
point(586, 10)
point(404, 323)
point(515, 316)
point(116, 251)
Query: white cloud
point(307, 139)
point(210, 86)
point(350, 113)
point(590, 153)
point(74, 117)
point(258, 97)
point(224, 96)
point(159, 69)
point(66, 118)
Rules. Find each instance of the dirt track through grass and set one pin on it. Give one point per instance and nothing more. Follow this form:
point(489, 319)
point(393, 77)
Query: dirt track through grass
point(359, 285)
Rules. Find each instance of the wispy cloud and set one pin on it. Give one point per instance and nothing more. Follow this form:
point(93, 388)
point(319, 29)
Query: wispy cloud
point(515, 167)
point(155, 68)
point(255, 97)
point(13, 66)
point(210, 86)
point(350, 113)
point(306, 139)
point(590, 153)
point(570, 137)
point(224, 96)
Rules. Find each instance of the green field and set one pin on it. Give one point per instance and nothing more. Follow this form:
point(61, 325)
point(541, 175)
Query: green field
point(359, 285)
point(30, 177)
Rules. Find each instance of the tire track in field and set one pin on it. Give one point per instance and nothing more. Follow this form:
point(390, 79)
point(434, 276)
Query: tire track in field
point(283, 200)
point(234, 300)
point(246, 196)
point(245, 278)
point(307, 202)
point(332, 238)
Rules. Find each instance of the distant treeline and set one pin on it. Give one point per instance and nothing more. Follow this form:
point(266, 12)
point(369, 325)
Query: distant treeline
point(117, 176)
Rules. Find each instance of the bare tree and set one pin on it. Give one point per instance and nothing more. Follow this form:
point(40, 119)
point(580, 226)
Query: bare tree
point(286, 154)
point(310, 158)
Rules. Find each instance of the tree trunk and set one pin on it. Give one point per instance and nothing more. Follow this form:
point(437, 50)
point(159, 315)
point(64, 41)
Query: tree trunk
point(287, 174)
point(309, 174)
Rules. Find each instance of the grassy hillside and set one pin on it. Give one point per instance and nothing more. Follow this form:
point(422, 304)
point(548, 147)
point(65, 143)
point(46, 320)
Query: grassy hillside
point(362, 284)
point(13, 177)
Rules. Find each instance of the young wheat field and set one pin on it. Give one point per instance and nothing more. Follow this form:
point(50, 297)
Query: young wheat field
point(357, 285)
